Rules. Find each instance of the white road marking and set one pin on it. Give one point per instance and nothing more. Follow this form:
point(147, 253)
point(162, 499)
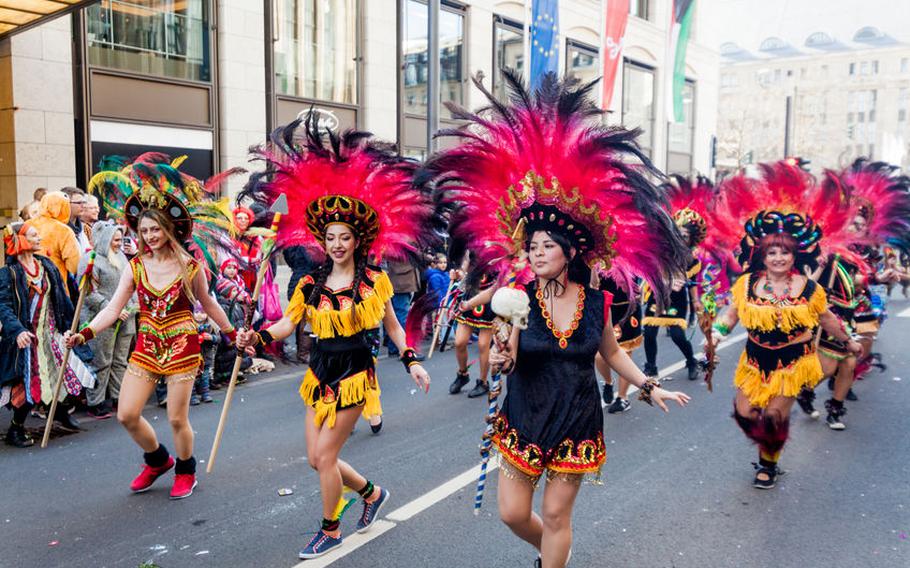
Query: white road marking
point(904, 314)
point(450, 487)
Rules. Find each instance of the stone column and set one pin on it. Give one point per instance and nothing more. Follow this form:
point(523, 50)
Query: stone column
point(241, 83)
point(37, 142)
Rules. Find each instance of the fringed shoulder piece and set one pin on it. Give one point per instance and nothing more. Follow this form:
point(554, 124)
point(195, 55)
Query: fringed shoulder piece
point(759, 314)
point(342, 318)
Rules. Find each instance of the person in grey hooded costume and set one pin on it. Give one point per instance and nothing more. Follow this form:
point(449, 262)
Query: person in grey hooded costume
point(111, 346)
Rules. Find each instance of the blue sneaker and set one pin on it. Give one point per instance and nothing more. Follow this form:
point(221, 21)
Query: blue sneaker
point(321, 544)
point(371, 511)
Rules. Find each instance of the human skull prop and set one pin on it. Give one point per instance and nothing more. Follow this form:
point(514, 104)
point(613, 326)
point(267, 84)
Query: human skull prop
point(513, 305)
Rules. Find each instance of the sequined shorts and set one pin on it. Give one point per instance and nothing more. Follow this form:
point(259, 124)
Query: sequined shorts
point(152, 377)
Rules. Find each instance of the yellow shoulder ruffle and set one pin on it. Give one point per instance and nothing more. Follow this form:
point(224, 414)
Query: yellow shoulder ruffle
point(367, 313)
point(767, 317)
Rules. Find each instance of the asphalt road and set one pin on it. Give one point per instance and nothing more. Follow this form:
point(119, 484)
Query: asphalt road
point(677, 488)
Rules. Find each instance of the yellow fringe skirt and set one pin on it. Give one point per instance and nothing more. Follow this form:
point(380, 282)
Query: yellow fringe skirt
point(761, 386)
point(359, 389)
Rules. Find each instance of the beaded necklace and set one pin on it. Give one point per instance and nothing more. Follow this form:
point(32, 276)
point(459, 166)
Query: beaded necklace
point(562, 336)
point(778, 301)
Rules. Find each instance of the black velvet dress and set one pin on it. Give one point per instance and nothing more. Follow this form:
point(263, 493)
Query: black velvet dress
point(552, 419)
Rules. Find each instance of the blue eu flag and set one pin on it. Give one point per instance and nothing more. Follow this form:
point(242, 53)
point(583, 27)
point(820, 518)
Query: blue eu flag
point(544, 39)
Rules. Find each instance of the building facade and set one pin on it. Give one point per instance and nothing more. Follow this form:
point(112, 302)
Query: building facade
point(210, 78)
point(829, 89)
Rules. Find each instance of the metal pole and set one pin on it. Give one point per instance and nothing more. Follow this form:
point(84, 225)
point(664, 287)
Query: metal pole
point(787, 120)
point(432, 74)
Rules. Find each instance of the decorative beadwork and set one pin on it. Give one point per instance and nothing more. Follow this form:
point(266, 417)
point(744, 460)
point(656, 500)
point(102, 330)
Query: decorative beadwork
point(562, 337)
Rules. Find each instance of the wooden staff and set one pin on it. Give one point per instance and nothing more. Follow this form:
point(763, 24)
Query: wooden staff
point(74, 327)
point(279, 208)
point(443, 309)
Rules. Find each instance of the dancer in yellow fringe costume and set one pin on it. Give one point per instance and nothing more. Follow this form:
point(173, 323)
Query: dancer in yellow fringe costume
point(352, 198)
point(779, 306)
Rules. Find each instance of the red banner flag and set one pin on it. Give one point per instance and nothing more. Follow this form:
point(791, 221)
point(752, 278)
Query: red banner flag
point(616, 15)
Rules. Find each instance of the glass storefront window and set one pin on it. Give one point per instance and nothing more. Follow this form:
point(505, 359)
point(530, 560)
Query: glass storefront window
point(681, 136)
point(509, 51)
point(166, 38)
point(415, 64)
point(316, 49)
point(638, 103)
point(583, 62)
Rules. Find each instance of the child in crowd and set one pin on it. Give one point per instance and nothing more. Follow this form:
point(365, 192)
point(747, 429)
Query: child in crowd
point(208, 337)
point(437, 278)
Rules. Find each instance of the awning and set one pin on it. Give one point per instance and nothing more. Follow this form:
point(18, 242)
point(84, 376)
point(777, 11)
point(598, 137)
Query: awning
point(18, 15)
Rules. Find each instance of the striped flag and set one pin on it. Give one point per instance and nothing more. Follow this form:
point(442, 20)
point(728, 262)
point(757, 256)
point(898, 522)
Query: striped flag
point(680, 26)
point(544, 39)
point(616, 15)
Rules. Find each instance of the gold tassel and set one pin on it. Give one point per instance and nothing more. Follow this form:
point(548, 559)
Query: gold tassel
point(805, 371)
point(308, 387)
point(655, 321)
point(372, 406)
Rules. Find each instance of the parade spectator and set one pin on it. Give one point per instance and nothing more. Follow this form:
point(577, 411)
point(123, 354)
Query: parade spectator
point(231, 293)
point(405, 282)
point(57, 239)
point(232, 296)
point(89, 216)
point(77, 204)
point(437, 278)
point(29, 211)
point(208, 339)
point(111, 347)
point(34, 312)
point(249, 245)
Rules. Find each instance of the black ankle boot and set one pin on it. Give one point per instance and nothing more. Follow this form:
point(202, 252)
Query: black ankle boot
point(18, 437)
point(461, 379)
point(65, 420)
point(692, 368)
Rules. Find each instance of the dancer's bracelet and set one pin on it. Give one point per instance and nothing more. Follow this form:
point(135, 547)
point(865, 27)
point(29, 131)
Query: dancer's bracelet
point(231, 335)
point(644, 392)
point(409, 358)
point(87, 334)
point(721, 328)
point(265, 337)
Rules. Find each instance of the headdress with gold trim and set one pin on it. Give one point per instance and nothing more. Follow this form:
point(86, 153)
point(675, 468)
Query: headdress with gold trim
point(341, 178)
point(882, 198)
point(153, 181)
point(546, 158)
point(784, 199)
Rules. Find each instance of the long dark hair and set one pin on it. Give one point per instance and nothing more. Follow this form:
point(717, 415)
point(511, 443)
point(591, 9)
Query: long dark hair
point(322, 274)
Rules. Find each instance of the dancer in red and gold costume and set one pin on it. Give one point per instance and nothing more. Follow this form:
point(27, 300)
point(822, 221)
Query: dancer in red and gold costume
point(165, 208)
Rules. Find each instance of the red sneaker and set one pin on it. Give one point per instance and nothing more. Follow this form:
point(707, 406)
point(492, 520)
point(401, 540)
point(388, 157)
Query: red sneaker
point(148, 475)
point(184, 483)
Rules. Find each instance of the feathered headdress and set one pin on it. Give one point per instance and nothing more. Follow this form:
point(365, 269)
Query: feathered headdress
point(547, 161)
point(347, 178)
point(784, 199)
point(153, 181)
point(691, 204)
point(883, 200)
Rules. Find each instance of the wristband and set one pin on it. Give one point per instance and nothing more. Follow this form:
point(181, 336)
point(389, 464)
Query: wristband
point(265, 337)
point(409, 358)
point(644, 392)
point(231, 336)
point(87, 334)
